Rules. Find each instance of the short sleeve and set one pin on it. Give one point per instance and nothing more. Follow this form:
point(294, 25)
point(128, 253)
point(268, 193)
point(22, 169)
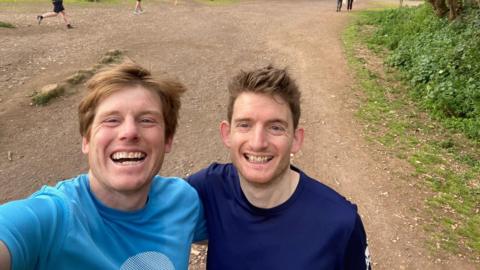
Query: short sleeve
point(357, 255)
point(201, 227)
point(197, 180)
point(28, 228)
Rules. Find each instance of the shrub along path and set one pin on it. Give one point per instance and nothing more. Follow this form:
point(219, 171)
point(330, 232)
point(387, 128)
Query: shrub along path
point(203, 46)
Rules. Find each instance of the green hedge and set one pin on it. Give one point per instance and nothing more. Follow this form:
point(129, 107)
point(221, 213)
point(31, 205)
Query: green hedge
point(441, 60)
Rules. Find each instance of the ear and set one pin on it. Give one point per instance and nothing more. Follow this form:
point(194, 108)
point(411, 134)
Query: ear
point(85, 145)
point(225, 133)
point(297, 140)
point(168, 144)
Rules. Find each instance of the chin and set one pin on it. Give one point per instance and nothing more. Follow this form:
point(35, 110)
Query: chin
point(255, 178)
point(130, 184)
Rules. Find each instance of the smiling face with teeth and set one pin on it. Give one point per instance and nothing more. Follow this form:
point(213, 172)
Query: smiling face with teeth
point(126, 145)
point(261, 138)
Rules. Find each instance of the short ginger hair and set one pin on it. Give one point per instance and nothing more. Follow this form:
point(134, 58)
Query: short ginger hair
point(115, 78)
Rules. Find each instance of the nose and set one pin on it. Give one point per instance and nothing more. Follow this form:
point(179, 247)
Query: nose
point(129, 130)
point(258, 139)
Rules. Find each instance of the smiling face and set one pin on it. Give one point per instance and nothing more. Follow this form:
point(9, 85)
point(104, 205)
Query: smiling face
point(261, 137)
point(126, 143)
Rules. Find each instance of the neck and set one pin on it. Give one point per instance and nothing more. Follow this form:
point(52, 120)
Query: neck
point(124, 201)
point(273, 193)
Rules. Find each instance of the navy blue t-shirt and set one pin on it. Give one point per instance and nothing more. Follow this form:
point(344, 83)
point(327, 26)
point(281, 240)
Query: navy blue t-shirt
point(316, 228)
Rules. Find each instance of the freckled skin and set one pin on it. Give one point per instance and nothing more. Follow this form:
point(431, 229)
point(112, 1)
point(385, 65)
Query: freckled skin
point(129, 120)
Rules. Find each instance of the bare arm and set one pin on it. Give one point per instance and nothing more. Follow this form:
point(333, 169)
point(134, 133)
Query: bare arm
point(4, 257)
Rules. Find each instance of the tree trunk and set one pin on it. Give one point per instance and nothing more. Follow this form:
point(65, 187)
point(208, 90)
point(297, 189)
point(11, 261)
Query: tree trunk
point(455, 9)
point(440, 7)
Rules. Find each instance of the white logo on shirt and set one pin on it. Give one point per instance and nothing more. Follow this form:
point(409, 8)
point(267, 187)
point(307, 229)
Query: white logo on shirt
point(368, 261)
point(150, 260)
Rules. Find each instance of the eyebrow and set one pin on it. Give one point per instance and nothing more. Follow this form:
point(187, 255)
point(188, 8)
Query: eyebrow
point(114, 112)
point(246, 119)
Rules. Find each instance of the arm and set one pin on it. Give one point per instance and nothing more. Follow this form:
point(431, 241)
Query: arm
point(4, 257)
point(197, 181)
point(200, 234)
point(27, 229)
point(357, 255)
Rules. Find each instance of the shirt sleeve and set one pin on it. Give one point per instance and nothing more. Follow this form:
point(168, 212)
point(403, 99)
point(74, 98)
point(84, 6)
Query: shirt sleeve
point(197, 180)
point(28, 228)
point(201, 227)
point(357, 255)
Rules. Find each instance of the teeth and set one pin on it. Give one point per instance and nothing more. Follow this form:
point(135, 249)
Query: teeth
point(129, 162)
point(127, 158)
point(122, 155)
point(258, 159)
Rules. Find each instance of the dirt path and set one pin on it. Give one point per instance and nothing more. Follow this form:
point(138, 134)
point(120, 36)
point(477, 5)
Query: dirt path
point(203, 46)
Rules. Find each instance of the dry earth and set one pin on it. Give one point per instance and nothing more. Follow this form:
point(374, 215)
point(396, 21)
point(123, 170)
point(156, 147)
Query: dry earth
point(203, 46)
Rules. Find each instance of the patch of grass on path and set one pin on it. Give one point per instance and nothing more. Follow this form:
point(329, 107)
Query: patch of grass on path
point(52, 91)
point(6, 25)
point(446, 163)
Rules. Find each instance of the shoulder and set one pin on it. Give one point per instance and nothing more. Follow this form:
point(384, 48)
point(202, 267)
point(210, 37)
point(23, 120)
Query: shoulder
point(326, 197)
point(36, 225)
point(48, 197)
point(173, 187)
point(71, 188)
point(57, 199)
point(213, 173)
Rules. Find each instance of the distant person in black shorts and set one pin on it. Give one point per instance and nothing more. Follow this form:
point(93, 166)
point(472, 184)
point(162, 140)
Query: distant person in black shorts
point(349, 4)
point(339, 5)
point(57, 9)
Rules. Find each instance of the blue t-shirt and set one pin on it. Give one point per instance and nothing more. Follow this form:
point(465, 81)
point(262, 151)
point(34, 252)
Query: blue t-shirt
point(66, 227)
point(316, 228)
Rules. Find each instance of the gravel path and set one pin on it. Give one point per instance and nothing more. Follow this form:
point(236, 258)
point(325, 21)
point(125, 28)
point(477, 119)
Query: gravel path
point(203, 46)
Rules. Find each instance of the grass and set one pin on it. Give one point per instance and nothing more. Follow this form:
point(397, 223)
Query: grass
point(445, 163)
point(43, 98)
point(6, 25)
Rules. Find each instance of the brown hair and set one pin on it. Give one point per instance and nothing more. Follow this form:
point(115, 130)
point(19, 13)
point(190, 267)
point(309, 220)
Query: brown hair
point(267, 80)
point(115, 78)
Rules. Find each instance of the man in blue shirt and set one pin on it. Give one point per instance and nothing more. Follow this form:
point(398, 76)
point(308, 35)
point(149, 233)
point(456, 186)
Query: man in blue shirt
point(121, 215)
point(262, 212)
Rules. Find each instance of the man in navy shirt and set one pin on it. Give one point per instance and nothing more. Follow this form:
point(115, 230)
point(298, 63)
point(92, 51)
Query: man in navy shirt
point(262, 212)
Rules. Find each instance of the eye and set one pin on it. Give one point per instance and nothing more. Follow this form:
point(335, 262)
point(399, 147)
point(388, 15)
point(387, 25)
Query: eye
point(243, 126)
point(111, 121)
point(277, 129)
point(148, 120)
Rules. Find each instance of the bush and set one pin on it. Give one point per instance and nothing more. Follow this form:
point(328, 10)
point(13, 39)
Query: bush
point(440, 59)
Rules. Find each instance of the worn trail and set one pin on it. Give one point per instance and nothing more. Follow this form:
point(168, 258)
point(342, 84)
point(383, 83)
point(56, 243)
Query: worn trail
point(203, 46)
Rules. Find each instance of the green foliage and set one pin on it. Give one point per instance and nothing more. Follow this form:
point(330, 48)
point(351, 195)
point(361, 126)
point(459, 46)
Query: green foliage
point(447, 163)
point(441, 60)
point(6, 25)
point(43, 98)
point(112, 57)
point(80, 76)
